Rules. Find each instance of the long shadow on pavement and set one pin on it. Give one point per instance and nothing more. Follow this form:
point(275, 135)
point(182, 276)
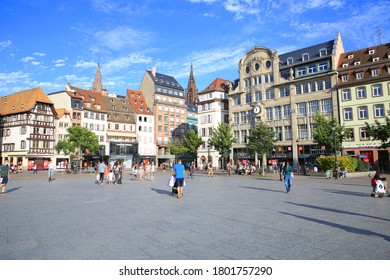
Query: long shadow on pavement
point(261, 189)
point(336, 210)
point(159, 191)
point(339, 226)
point(13, 189)
point(347, 192)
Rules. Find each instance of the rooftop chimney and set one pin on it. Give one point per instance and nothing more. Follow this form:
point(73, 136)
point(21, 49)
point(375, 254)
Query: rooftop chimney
point(154, 71)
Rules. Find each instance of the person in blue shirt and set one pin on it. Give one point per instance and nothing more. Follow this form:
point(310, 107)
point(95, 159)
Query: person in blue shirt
point(178, 169)
point(102, 166)
point(287, 170)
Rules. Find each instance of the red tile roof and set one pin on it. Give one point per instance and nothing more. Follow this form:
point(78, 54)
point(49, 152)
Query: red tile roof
point(137, 101)
point(95, 99)
point(218, 84)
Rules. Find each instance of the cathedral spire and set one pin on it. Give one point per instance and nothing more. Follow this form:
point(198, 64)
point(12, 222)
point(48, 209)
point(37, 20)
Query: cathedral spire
point(192, 91)
point(97, 83)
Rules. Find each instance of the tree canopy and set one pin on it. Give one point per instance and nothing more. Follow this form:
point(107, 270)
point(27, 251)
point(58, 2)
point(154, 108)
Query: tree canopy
point(222, 138)
point(192, 142)
point(79, 140)
point(380, 131)
point(261, 140)
point(325, 132)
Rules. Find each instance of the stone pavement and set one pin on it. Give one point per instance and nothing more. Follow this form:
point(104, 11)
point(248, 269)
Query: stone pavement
point(237, 217)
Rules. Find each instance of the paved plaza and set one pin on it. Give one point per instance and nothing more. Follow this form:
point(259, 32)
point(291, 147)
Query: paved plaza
point(237, 217)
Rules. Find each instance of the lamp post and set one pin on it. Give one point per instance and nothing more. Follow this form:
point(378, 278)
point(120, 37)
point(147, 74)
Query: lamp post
point(336, 167)
point(101, 151)
point(297, 155)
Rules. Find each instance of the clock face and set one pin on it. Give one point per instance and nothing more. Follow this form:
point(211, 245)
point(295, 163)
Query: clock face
point(256, 110)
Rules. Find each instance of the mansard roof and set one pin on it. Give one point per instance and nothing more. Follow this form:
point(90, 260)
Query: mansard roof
point(23, 101)
point(312, 51)
point(218, 84)
point(137, 101)
point(165, 81)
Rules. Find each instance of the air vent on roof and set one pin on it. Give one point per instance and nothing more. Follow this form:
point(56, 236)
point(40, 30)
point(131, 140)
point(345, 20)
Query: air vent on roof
point(345, 65)
point(357, 63)
point(371, 51)
point(375, 59)
point(350, 56)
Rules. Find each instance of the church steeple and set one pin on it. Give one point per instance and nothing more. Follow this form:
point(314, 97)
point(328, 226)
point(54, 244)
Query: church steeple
point(97, 83)
point(192, 91)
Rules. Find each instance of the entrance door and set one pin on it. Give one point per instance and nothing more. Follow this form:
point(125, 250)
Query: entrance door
point(383, 160)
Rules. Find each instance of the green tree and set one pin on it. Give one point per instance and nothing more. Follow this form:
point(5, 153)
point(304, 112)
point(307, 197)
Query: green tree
point(192, 142)
point(177, 148)
point(261, 140)
point(222, 139)
point(79, 141)
point(380, 131)
point(324, 133)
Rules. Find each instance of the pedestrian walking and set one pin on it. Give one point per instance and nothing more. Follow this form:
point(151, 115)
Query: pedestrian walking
point(288, 173)
point(229, 169)
point(35, 168)
point(5, 174)
point(178, 170)
point(50, 170)
point(281, 166)
point(210, 170)
point(152, 171)
point(101, 168)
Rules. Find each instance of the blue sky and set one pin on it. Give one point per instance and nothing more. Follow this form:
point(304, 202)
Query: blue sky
point(48, 43)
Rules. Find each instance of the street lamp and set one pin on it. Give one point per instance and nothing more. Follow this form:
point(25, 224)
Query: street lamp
point(297, 155)
point(336, 165)
point(101, 151)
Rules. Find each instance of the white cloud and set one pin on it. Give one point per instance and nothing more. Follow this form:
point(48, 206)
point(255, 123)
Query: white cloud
point(27, 59)
point(60, 62)
point(5, 44)
point(13, 77)
point(85, 64)
point(35, 63)
point(39, 54)
point(126, 62)
point(122, 38)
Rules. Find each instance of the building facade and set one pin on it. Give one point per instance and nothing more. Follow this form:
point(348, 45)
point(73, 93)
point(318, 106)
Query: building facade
point(144, 127)
point(62, 123)
point(27, 128)
point(165, 96)
point(364, 96)
point(213, 109)
point(285, 91)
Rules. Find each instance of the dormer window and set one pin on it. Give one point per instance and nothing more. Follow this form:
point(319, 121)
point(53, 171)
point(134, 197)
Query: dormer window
point(135, 101)
point(356, 63)
point(290, 61)
point(305, 57)
point(345, 65)
point(132, 94)
point(375, 72)
point(141, 109)
point(350, 56)
point(371, 51)
point(323, 52)
point(344, 78)
point(359, 75)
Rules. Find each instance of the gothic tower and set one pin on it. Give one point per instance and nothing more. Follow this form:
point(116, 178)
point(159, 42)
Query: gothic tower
point(97, 83)
point(192, 91)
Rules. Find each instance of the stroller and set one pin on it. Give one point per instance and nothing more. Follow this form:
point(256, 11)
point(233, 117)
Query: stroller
point(173, 185)
point(379, 186)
